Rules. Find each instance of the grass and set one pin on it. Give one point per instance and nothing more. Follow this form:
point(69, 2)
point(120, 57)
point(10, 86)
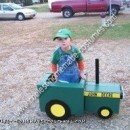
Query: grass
point(79, 31)
point(40, 8)
point(84, 31)
point(121, 31)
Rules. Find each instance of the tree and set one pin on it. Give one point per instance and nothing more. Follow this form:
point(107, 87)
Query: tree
point(2, 1)
point(45, 0)
point(13, 1)
point(27, 2)
point(41, 1)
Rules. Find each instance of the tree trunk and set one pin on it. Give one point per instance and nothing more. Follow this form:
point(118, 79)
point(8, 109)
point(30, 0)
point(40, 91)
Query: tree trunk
point(41, 1)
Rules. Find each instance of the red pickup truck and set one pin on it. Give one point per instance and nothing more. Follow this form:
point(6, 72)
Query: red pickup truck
point(70, 7)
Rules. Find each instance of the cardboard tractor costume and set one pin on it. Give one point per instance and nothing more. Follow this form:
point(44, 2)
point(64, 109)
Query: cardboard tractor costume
point(60, 100)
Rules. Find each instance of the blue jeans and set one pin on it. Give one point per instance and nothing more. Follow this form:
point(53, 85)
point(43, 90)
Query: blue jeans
point(71, 72)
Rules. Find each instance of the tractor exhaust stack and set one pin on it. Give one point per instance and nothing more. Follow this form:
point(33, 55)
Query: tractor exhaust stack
point(97, 70)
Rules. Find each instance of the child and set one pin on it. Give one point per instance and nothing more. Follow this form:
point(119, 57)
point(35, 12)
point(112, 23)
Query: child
point(70, 73)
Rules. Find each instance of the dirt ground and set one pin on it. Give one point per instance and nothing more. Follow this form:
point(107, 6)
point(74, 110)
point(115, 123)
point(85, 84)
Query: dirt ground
point(25, 53)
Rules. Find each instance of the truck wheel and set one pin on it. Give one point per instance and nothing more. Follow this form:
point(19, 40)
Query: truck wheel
point(20, 17)
point(114, 10)
point(105, 112)
point(67, 13)
point(57, 110)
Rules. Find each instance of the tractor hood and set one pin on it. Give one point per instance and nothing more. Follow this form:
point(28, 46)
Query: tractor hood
point(104, 90)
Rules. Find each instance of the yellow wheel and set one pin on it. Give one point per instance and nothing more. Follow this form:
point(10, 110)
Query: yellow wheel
point(57, 110)
point(105, 112)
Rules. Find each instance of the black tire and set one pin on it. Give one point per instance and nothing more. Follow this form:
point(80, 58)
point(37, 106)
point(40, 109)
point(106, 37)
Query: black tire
point(67, 13)
point(52, 107)
point(105, 112)
point(20, 17)
point(114, 10)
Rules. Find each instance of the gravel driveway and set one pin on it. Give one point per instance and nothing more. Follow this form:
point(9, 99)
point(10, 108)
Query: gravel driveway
point(25, 56)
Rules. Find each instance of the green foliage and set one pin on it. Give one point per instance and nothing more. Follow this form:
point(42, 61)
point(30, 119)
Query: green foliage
point(40, 8)
point(27, 2)
point(45, 0)
point(2, 1)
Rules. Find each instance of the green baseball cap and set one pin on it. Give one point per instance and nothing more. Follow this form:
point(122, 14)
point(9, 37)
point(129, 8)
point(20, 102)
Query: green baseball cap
point(63, 33)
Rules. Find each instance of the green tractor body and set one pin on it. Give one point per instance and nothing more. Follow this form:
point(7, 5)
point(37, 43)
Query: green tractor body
point(60, 100)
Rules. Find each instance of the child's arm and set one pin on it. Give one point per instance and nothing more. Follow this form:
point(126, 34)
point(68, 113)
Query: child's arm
point(81, 67)
point(80, 63)
point(54, 62)
point(54, 70)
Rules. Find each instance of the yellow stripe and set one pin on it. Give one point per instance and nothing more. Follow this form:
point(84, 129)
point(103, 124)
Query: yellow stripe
point(103, 94)
point(116, 95)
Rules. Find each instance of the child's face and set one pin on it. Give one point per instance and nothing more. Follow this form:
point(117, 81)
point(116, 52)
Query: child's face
point(64, 43)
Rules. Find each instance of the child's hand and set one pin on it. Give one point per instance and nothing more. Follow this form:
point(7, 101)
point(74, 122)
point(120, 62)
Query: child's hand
point(55, 75)
point(83, 75)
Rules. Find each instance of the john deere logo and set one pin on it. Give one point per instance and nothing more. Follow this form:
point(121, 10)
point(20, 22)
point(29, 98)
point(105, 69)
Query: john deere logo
point(102, 94)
